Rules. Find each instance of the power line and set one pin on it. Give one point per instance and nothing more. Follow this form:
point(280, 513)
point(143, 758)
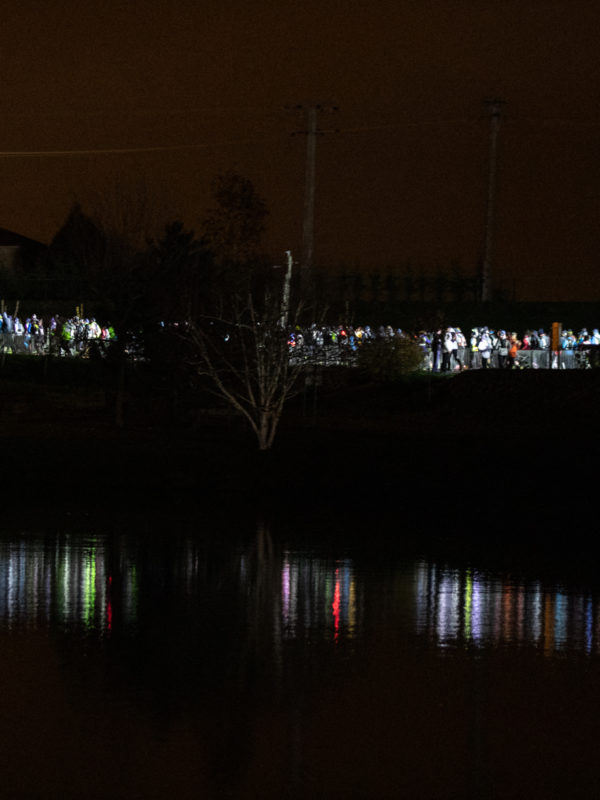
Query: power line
point(537, 121)
point(125, 150)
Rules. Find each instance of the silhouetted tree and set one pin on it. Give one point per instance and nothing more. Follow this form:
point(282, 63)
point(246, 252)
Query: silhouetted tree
point(409, 283)
point(458, 282)
point(358, 286)
point(234, 226)
point(107, 250)
point(78, 244)
point(440, 285)
point(421, 284)
point(376, 284)
point(181, 269)
point(345, 288)
point(391, 285)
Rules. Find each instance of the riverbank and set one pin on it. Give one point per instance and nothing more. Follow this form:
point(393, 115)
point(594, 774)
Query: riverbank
point(353, 444)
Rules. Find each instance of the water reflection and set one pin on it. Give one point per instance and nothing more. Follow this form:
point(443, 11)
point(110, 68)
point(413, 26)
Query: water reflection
point(471, 608)
point(318, 597)
point(94, 582)
point(243, 664)
point(66, 581)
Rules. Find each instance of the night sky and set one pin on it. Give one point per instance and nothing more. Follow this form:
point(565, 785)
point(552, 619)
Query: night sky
point(196, 88)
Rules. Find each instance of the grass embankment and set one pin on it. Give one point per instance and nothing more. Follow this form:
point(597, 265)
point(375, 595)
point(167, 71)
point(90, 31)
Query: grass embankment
point(351, 443)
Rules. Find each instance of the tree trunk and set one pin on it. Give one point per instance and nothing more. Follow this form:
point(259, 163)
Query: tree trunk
point(267, 427)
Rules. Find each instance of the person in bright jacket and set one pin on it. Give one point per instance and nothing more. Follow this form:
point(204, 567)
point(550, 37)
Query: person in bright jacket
point(513, 349)
point(485, 348)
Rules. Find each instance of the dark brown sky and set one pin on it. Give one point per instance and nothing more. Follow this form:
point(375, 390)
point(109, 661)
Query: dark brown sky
point(405, 177)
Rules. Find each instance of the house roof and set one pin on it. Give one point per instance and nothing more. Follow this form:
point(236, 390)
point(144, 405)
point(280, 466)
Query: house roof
point(11, 239)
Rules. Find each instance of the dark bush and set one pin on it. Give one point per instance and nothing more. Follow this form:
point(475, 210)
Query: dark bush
point(390, 360)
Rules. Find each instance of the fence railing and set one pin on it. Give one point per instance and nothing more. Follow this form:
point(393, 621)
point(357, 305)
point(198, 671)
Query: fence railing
point(579, 358)
point(327, 355)
point(345, 355)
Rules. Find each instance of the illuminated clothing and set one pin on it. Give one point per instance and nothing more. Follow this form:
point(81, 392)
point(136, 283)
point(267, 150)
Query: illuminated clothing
point(485, 350)
point(512, 352)
point(450, 351)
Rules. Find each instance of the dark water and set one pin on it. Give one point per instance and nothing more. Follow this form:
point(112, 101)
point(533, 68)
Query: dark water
point(252, 660)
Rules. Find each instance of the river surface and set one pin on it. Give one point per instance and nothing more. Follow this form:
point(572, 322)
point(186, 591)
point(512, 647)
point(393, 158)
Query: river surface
point(153, 659)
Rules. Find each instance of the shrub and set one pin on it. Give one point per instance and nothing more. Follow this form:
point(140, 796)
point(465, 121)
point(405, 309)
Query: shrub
point(389, 360)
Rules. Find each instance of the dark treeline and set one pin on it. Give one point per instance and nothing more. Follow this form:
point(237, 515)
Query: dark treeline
point(414, 300)
point(124, 257)
point(179, 264)
point(126, 261)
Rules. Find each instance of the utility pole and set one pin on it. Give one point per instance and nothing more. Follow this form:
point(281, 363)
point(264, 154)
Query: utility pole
point(287, 282)
point(308, 225)
point(493, 106)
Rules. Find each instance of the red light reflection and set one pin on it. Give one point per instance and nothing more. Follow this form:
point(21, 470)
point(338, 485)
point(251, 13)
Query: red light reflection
point(336, 606)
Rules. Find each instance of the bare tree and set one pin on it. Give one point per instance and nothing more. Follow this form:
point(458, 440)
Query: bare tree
point(242, 349)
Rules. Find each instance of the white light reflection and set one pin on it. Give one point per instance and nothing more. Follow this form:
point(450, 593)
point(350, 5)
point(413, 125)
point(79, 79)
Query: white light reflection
point(467, 607)
point(448, 622)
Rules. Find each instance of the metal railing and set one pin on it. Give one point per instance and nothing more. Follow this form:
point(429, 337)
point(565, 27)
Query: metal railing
point(346, 355)
point(329, 354)
point(583, 357)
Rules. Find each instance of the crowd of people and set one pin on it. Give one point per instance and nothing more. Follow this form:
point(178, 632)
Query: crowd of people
point(449, 349)
point(67, 336)
point(444, 349)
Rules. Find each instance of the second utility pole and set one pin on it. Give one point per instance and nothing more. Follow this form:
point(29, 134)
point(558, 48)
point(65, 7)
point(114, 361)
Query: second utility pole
point(494, 107)
point(308, 221)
